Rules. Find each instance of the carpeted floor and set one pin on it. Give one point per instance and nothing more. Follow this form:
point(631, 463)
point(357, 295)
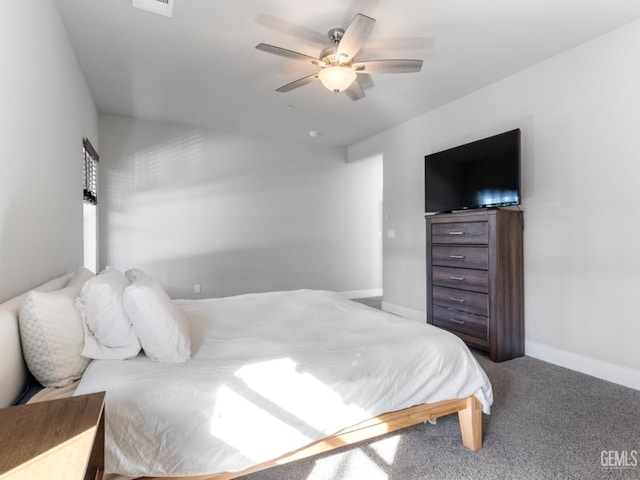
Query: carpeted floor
point(547, 422)
point(375, 302)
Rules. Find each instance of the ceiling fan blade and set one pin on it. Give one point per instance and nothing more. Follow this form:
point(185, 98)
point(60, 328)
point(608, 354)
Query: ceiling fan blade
point(297, 83)
point(355, 35)
point(388, 66)
point(283, 52)
point(355, 91)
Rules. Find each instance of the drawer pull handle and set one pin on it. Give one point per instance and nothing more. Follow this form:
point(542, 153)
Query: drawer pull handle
point(455, 320)
point(457, 257)
point(459, 300)
point(456, 233)
point(460, 279)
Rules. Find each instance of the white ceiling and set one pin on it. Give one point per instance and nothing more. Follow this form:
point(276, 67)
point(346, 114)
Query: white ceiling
point(200, 66)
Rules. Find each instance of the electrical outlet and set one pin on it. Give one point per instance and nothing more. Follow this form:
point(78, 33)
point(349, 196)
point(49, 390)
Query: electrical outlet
point(196, 288)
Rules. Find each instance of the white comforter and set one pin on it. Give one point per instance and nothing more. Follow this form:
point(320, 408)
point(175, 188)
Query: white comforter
point(271, 373)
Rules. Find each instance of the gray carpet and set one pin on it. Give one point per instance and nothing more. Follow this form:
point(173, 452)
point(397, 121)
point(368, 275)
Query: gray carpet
point(375, 302)
point(547, 422)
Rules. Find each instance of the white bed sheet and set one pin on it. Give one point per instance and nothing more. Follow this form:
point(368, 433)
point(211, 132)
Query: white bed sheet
point(270, 373)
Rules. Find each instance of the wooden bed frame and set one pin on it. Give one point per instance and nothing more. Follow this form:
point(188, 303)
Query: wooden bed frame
point(469, 415)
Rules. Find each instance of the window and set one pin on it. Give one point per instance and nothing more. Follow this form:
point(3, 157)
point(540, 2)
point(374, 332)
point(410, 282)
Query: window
point(90, 171)
point(90, 207)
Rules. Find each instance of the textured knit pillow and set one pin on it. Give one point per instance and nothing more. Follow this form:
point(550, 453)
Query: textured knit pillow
point(160, 326)
point(108, 334)
point(52, 333)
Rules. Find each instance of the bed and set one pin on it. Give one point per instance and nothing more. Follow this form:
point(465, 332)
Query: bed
point(273, 377)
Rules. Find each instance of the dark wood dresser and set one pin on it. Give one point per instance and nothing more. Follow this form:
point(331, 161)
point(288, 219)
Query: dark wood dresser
point(475, 284)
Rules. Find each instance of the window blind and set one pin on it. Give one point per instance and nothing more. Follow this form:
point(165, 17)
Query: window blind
point(90, 173)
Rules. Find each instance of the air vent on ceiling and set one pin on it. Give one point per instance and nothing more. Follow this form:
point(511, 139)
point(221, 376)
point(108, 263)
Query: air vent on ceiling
point(161, 7)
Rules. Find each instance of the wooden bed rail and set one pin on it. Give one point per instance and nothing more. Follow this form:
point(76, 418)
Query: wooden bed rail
point(469, 415)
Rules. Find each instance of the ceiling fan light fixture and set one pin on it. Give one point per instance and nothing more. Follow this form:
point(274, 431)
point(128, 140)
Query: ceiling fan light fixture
point(337, 78)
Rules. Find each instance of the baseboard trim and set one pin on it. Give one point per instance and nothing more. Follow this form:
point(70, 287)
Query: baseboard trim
point(405, 312)
point(373, 292)
point(611, 372)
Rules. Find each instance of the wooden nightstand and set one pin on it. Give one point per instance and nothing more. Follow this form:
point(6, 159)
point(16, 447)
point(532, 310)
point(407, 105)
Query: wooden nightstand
point(59, 439)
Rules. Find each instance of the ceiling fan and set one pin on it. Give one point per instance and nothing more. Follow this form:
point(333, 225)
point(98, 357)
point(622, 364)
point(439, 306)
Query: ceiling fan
point(337, 62)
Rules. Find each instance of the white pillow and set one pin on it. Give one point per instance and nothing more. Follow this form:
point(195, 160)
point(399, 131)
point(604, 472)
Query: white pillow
point(52, 334)
point(108, 332)
point(161, 327)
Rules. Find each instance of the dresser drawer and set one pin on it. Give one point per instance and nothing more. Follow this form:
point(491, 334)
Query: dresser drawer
point(463, 278)
point(471, 302)
point(462, 233)
point(460, 257)
point(461, 322)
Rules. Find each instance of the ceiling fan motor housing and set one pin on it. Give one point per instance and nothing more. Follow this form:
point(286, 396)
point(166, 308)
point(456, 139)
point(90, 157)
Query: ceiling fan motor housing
point(330, 56)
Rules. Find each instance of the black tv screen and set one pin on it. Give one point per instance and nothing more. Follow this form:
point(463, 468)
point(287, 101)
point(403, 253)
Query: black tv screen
point(484, 173)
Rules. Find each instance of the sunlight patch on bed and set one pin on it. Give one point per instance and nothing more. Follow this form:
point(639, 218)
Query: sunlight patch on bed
point(300, 394)
point(249, 429)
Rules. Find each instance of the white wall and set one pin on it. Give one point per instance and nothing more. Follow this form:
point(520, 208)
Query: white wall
point(45, 111)
point(579, 113)
point(236, 214)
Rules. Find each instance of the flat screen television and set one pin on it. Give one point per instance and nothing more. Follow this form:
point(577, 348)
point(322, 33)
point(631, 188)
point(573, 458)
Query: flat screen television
point(480, 174)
